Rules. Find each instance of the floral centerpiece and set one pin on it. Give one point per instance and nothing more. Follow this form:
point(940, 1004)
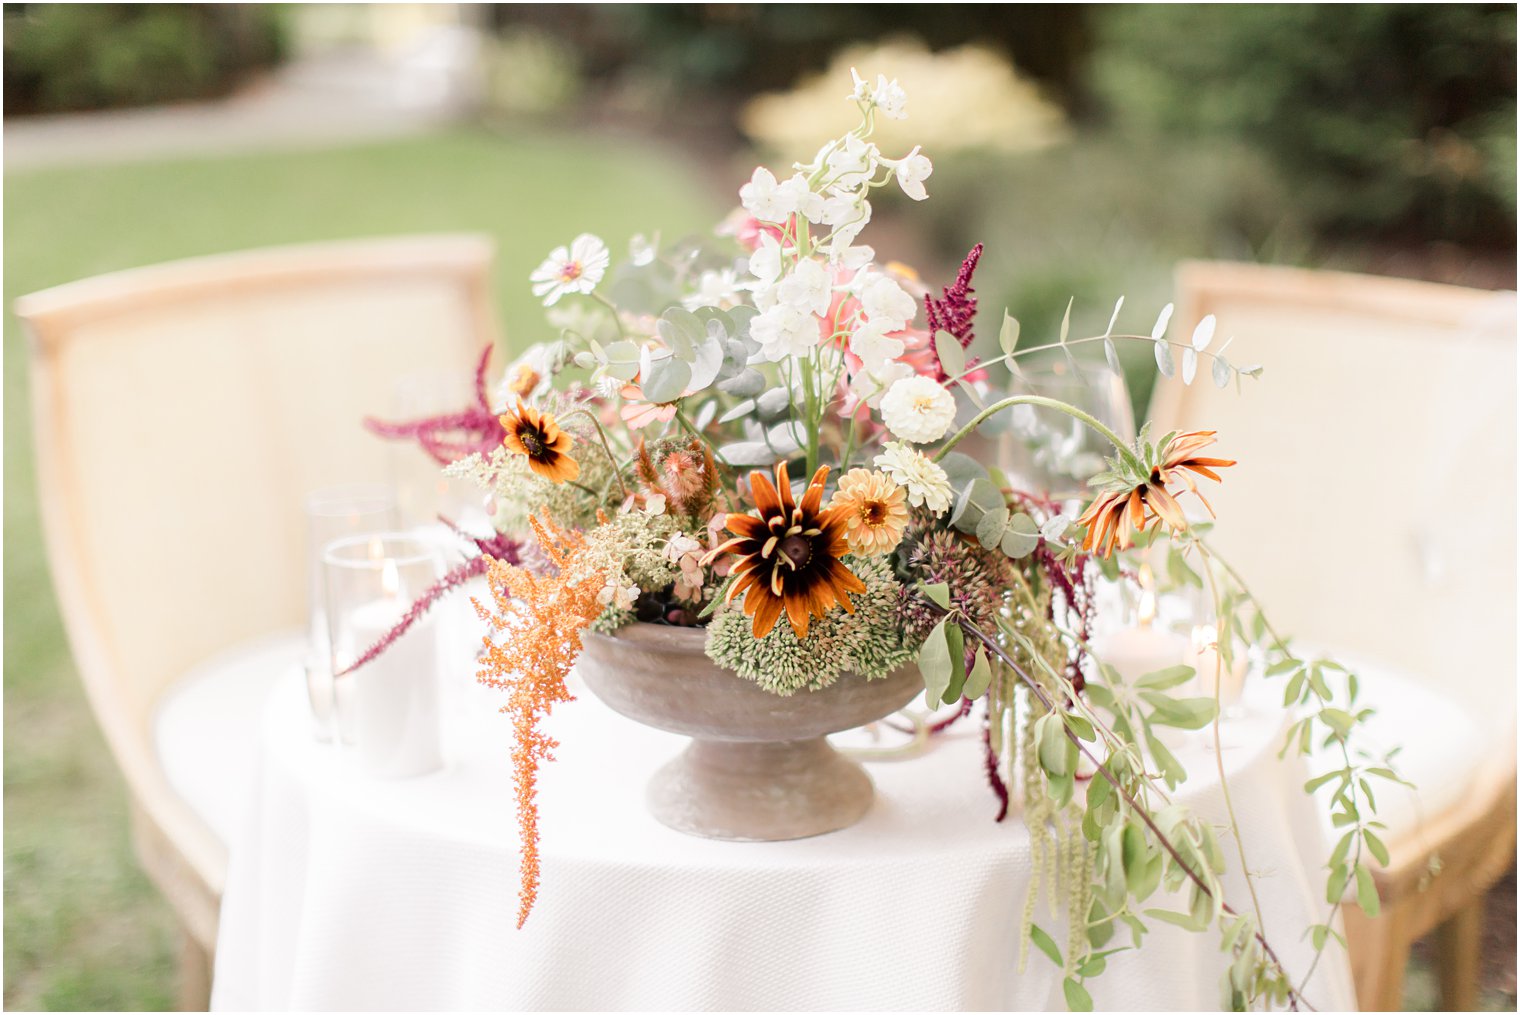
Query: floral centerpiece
point(750, 444)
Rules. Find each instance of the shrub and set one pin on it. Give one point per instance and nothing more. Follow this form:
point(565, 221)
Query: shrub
point(1392, 121)
point(61, 57)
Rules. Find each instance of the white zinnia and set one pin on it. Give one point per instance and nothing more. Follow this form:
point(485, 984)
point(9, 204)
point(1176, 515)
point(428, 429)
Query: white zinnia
point(576, 269)
point(917, 409)
point(912, 170)
point(926, 482)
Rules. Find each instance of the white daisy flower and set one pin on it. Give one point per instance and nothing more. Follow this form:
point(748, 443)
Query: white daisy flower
point(576, 269)
point(917, 409)
point(926, 482)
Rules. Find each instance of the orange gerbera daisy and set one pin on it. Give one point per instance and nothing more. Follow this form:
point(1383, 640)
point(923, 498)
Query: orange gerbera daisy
point(1117, 514)
point(537, 435)
point(787, 558)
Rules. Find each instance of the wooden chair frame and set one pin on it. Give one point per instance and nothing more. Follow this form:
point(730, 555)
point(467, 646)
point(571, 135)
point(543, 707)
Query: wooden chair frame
point(1435, 879)
point(179, 852)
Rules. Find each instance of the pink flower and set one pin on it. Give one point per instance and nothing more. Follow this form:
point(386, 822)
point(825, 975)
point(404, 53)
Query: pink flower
point(638, 413)
point(747, 229)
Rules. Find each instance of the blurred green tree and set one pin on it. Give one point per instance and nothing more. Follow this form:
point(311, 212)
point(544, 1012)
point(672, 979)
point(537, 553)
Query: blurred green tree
point(1394, 122)
point(62, 57)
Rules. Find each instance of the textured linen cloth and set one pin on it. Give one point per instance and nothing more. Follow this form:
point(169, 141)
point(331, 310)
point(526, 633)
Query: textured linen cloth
point(351, 893)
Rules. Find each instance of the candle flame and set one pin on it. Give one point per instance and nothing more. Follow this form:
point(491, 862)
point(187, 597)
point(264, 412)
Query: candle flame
point(376, 548)
point(390, 579)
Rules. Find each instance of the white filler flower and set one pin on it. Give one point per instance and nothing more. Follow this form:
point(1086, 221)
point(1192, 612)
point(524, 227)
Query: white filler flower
point(917, 409)
point(926, 482)
point(576, 269)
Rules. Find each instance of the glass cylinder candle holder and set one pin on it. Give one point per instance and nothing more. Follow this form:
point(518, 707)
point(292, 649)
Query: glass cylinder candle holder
point(333, 513)
point(387, 706)
point(1051, 453)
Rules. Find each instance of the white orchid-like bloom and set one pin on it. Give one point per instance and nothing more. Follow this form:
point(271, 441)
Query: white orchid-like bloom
point(875, 349)
point(761, 197)
point(925, 481)
point(886, 303)
point(870, 384)
point(784, 330)
point(574, 269)
point(890, 98)
point(765, 262)
point(796, 196)
point(911, 171)
point(808, 287)
point(715, 289)
point(853, 163)
point(917, 409)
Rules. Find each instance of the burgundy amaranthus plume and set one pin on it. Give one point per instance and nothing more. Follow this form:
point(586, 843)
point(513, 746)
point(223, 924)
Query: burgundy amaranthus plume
point(493, 547)
point(451, 436)
point(956, 310)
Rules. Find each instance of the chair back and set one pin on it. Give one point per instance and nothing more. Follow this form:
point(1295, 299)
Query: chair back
point(1374, 504)
point(182, 412)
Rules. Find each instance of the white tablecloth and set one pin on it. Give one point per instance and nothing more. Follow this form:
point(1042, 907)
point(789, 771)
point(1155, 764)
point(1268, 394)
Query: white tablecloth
point(351, 893)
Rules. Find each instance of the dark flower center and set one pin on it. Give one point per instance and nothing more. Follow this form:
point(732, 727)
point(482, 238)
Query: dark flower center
point(797, 549)
point(875, 513)
point(533, 440)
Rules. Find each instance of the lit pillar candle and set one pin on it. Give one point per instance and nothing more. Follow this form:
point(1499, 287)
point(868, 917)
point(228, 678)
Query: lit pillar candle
point(388, 708)
point(1135, 651)
point(1211, 674)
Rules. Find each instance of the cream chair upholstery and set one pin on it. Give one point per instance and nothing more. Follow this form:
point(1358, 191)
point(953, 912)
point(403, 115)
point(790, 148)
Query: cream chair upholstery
point(182, 411)
point(1373, 510)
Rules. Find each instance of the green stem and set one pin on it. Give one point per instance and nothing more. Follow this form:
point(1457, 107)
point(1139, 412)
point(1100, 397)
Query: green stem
point(616, 318)
point(1048, 403)
point(602, 438)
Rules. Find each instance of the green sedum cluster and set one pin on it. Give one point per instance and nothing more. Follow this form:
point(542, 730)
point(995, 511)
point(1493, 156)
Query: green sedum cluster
point(868, 642)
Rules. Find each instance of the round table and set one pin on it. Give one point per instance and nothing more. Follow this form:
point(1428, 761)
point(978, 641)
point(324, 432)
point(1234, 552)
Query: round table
point(347, 892)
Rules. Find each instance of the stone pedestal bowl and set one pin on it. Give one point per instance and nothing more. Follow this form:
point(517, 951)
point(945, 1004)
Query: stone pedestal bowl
point(758, 768)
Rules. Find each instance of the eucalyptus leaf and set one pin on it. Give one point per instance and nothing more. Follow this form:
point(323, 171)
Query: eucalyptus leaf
point(707, 362)
point(1008, 334)
point(1066, 319)
point(747, 383)
point(952, 357)
point(1021, 536)
point(665, 379)
point(787, 437)
point(989, 528)
point(1164, 361)
point(749, 453)
point(1112, 355)
point(1203, 334)
point(1221, 369)
point(704, 416)
point(773, 403)
point(961, 469)
point(1114, 319)
point(739, 411)
point(1189, 364)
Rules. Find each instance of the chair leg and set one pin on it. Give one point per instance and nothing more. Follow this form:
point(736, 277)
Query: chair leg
point(1379, 952)
point(194, 974)
point(1458, 944)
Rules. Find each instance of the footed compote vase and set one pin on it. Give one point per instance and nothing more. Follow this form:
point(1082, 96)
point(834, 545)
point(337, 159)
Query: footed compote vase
point(758, 768)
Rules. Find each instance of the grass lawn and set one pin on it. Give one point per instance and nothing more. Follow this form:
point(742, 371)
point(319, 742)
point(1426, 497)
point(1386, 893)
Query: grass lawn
point(83, 927)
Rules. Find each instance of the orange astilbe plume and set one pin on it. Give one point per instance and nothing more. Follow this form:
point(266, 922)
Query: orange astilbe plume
point(536, 624)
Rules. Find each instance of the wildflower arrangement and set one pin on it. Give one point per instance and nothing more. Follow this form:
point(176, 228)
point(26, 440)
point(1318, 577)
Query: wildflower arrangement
point(757, 435)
